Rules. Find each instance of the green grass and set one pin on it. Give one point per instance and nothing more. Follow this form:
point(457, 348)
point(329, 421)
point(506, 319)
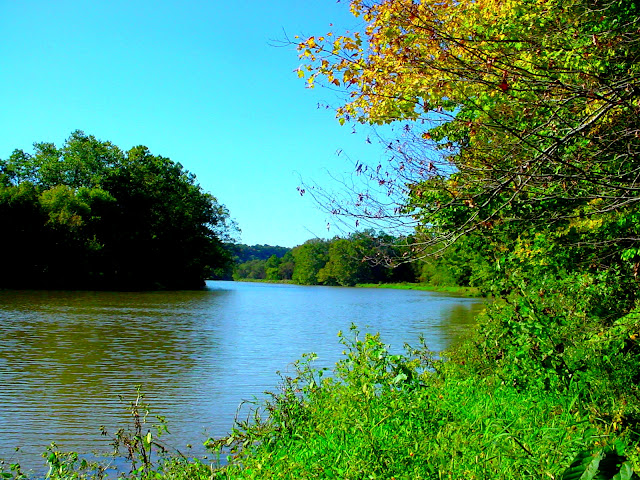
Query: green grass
point(262, 280)
point(386, 416)
point(454, 290)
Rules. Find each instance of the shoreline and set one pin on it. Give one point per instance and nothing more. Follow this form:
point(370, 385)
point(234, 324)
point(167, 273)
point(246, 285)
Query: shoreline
point(263, 280)
point(473, 292)
point(461, 291)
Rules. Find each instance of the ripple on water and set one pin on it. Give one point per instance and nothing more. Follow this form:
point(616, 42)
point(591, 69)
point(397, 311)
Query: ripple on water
point(66, 357)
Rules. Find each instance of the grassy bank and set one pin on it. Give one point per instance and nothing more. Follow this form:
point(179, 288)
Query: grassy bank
point(454, 290)
point(263, 280)
point(523, 398)
point(390, 416)
point(411, 416)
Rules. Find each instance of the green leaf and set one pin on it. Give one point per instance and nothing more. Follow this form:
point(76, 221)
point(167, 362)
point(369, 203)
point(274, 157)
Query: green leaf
point(401, 377)
point(625, 473)
point(584, 467)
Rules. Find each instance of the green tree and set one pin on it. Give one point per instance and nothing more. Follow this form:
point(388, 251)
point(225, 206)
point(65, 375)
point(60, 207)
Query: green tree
point(347, 264)
point(287, 265)
point(518, 112)
point(168, 231)
point(310, 258)
point(253, 269)
point(97, 217)
point(272, 268)
point(24, 240)
point(465, 263)
point(243, 253)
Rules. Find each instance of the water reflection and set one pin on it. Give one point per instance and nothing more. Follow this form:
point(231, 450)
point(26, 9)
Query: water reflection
point(457, 320)
point(66, 356)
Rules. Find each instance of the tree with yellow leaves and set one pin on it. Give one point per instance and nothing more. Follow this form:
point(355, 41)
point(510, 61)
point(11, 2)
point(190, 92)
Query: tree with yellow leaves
point(525, 110)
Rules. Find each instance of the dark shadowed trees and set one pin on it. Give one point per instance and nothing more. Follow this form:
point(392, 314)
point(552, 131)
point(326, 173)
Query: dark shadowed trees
point(89, 215)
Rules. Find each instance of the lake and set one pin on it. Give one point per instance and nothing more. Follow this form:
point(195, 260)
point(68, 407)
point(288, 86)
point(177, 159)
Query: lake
point(66, 357)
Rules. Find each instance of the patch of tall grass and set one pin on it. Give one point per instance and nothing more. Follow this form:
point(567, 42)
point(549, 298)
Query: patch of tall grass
point(390, 416)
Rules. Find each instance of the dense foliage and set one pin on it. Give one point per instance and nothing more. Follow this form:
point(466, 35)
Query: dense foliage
point(339, 261)
point(88, 215)
point(523, 111)
point(245, 253)
point(521, 148)
point(260, 262)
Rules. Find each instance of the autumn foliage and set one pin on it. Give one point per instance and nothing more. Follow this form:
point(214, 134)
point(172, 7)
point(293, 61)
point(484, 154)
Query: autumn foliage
point(516, 110)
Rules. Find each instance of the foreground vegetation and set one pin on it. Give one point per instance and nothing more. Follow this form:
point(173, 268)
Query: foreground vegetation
point(390, 416)
point(381, 415)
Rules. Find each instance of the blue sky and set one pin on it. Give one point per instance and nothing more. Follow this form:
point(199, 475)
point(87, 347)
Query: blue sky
point(200, 82)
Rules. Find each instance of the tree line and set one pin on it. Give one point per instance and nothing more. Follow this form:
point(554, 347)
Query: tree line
point(89, 215)
point(367, 257)
point(243, 253)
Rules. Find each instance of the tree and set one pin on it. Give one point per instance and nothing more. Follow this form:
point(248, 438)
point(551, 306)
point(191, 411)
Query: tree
point(347, 264)
point(23, 240)
point(310, 258)
point(272, 268)
point(261, 261)
point(519, 111)
point(243, 253)
point(167, 228)
point(285, 270)
point(90, 215)
point(253, 269)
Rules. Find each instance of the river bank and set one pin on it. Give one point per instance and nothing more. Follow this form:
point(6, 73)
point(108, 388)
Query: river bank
point(462, 291)
point(264, 280)
point(472, 292)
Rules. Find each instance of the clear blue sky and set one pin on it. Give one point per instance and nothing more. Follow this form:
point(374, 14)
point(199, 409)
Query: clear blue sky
point(199, 82)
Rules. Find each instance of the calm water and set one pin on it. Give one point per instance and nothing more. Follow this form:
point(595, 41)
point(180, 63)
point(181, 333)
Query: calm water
point(65, 357)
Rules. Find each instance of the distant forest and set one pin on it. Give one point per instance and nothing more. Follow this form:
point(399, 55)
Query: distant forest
point(362, 257)
point(244, 253)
